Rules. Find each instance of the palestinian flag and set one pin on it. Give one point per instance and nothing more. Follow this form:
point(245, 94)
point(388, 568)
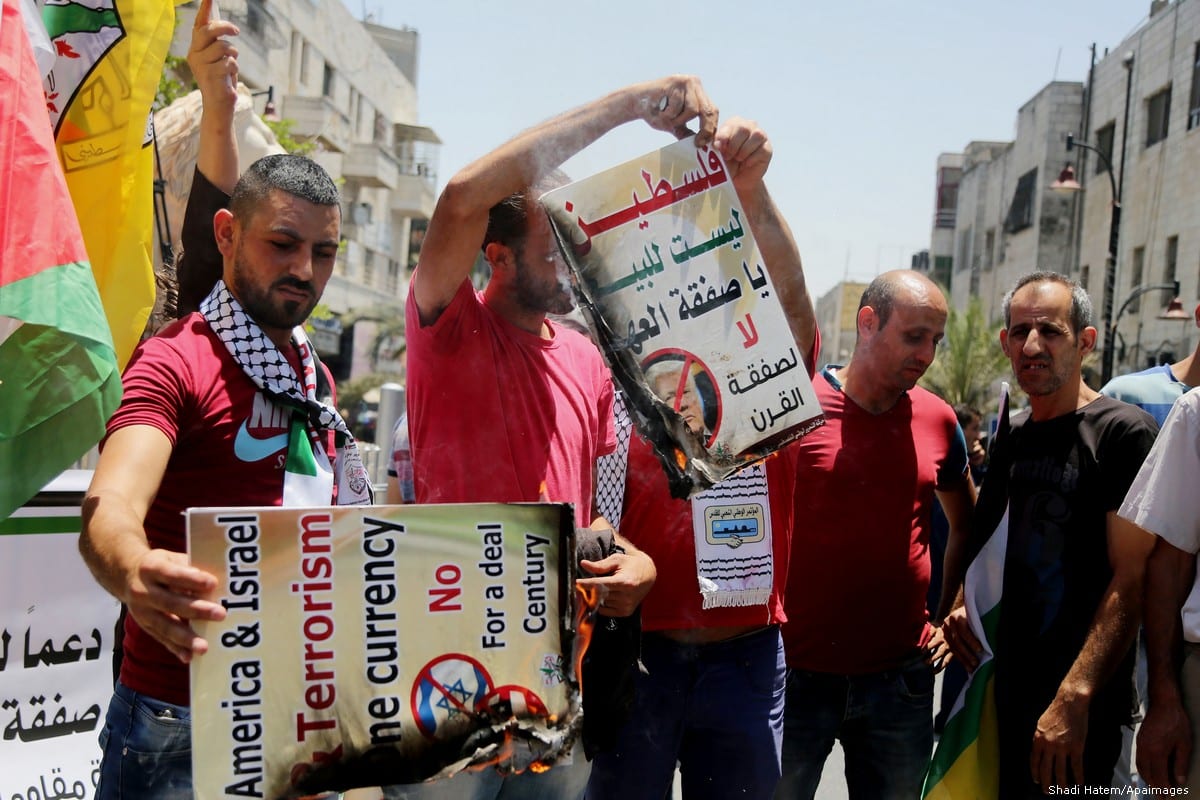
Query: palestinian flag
point(110, 56)
point(966, 763)
point(59, 379)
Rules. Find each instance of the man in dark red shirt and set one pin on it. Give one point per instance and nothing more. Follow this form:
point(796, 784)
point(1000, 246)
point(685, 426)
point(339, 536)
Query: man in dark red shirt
point(860, 647)
point(221, 408)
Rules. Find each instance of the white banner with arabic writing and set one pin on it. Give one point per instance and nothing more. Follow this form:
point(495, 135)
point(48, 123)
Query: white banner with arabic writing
point(56, 651)
point(677, 294)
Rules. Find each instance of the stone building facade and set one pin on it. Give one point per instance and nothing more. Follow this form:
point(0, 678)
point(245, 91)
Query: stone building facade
point(1158, 66)
point(350, 89)
point(1008, 221)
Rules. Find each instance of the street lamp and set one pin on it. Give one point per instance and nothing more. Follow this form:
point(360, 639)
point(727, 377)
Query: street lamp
point(1067, 182)
point(1173, 311)
point(269, 112)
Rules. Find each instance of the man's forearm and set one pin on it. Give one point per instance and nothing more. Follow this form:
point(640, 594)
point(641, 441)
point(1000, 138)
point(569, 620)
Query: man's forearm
point(218, 154)
point(111, 542)
point(953, 569)
point(520, 161)
point(781, 256)
point(1170, 574)
point(460, 219)
point(958, 504)
point(1113, 630)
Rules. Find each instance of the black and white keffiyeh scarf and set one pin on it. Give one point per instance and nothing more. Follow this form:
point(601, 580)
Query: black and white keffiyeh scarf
point(309, 478)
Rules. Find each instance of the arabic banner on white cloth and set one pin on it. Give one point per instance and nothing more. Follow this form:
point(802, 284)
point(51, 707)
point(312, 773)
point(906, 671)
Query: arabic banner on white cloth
point(56, 654)
point(676, 293)
point(369, 646)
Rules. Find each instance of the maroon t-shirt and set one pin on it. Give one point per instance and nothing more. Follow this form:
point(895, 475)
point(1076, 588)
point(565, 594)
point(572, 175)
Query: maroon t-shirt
point(500, 415)
point(230, 446)
point(859, 571)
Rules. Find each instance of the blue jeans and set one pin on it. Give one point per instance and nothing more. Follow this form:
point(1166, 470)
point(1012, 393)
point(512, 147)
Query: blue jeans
point(147, 748)
point(715, 708)
point(884, 721)
point(564, 782)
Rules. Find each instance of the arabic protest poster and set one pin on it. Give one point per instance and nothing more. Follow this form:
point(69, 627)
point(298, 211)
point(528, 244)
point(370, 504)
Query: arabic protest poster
point(369, 646)
point(676, 292)
point(57, 632)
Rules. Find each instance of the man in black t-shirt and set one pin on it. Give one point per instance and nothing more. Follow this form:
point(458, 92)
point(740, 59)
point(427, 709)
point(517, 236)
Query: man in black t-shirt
point(1073, 570)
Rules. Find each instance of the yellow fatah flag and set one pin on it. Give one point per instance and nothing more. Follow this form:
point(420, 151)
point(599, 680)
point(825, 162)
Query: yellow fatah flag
point(109, 57)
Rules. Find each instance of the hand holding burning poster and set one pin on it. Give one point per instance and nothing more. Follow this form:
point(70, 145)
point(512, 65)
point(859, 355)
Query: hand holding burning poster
point(674, 287)
point(373, 646)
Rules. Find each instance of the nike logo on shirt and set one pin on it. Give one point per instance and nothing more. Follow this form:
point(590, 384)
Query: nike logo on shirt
point(248, 447)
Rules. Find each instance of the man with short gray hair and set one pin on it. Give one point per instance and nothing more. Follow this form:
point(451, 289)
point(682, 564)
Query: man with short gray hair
point(1074, 571)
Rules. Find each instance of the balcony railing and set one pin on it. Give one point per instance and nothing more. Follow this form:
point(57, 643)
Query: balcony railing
point(944, 218)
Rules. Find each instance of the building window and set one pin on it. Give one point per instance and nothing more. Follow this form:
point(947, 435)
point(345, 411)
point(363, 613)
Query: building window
point(1135, 276)
point(416, 237)
point(1104, 143)
point(947, 196)
point(943, 266)
point(368, 266)
point(358, 115)
point(964, 250)
point(1020, 213)
point(1158, 111)
point(327, 84)
point(1085, 274)
point(1194, 105)
point(256, 18)
point(300, 56)
point(353, 109)
point(360, 213)
point(379, 133)
point(340, 267)
point(1172, 259)
point(393, 276)
point(989, 245)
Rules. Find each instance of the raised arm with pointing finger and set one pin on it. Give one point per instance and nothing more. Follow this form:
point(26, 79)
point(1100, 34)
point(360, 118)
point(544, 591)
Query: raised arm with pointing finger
point(213, 61)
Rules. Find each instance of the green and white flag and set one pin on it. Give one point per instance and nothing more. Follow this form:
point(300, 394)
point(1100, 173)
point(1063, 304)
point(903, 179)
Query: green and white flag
point(308, 477)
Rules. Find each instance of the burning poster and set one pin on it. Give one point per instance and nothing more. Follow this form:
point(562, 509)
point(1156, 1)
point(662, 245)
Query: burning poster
point(369, 646)
point(674, 288)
